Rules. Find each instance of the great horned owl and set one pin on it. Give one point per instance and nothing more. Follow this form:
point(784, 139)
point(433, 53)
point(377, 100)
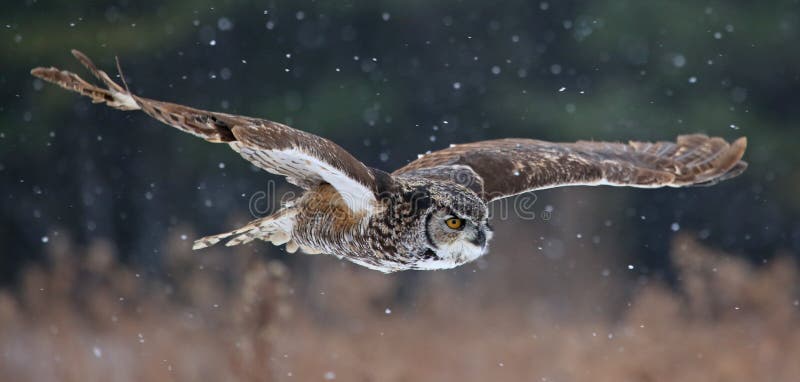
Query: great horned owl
point(429, 214)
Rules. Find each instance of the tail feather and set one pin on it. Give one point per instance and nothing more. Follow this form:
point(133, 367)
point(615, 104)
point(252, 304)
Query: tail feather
point(276, 228)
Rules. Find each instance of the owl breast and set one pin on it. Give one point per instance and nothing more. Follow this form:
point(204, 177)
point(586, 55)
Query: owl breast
point(390, 239)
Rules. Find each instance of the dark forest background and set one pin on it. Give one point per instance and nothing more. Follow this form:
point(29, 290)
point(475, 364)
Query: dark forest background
point(388, 80)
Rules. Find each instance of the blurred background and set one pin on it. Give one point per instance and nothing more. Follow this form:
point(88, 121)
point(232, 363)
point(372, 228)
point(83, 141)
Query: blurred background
point(99, 207)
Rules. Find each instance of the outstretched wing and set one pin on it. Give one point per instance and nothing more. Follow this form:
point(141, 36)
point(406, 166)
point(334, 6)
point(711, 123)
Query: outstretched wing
point(506, 167)
point(304, 159)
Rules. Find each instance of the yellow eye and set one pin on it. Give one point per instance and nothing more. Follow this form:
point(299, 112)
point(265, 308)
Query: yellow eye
point(454, 223)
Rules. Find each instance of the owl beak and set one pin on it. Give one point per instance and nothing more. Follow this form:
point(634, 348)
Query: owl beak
point(480, 239)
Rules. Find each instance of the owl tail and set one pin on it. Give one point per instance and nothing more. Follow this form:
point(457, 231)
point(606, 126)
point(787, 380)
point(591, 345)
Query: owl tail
point(115, 95)
point(276, 228)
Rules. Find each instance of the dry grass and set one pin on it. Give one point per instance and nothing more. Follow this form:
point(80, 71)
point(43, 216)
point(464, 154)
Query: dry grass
point(89, 319)
point(234, 316)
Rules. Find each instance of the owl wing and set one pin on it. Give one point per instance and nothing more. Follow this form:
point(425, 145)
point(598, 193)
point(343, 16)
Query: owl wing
point(304, 159)
point(501, 168)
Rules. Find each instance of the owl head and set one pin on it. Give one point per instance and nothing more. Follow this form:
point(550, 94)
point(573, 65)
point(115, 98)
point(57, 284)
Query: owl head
point(455, 226)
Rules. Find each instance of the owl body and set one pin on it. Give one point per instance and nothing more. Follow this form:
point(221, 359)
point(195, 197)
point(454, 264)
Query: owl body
point(429, 214)
point(399, 234)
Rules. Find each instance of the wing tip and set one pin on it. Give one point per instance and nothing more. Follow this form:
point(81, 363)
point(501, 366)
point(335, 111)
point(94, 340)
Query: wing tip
point(84, 59)
point(40, 72)
point(740, 144)
point(51, 74)
point(734, 154)
point(728, 165)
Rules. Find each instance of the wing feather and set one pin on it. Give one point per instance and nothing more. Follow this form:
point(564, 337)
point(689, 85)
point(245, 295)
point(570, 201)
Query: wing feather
point(304, 159)
point(508, 167)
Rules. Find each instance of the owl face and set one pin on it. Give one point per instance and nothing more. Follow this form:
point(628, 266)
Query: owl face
point(457, 233)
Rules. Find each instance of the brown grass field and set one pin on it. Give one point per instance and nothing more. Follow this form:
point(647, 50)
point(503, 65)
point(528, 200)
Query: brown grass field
point(230, 315)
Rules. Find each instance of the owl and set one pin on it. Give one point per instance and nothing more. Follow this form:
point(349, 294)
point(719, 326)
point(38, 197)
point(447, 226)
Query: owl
point(431, 213)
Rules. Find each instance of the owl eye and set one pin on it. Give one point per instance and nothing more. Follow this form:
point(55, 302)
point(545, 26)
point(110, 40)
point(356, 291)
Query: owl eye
point(454, 223)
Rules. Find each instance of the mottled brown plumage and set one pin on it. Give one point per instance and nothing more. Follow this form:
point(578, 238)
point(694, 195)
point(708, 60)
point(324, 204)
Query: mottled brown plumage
point(430, 214)
point(512, 166)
